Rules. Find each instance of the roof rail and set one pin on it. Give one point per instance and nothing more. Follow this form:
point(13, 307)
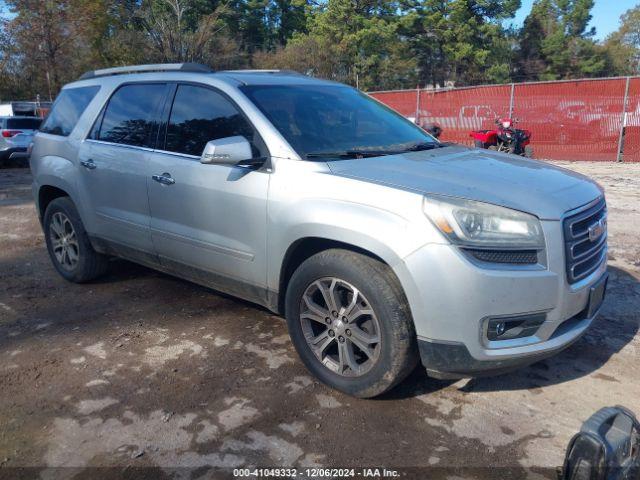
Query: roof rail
point(284, 72)
point(158, 67)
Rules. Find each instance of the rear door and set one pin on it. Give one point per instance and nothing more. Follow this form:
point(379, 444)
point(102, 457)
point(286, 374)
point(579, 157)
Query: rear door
point(114, 161)
point(209, 223)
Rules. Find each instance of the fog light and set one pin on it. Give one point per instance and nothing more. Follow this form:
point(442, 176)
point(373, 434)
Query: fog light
point(506, 328)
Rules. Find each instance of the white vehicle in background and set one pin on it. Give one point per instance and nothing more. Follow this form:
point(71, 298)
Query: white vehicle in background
point(24, 109)
point(16, 133)
point(469, 117)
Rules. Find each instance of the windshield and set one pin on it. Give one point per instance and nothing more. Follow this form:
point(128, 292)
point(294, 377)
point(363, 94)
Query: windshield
point(336, 121)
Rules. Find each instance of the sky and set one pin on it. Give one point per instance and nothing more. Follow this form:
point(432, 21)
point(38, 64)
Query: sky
point(605, 13)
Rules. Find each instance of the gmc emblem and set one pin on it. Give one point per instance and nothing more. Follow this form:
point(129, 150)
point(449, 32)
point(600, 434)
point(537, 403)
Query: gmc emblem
point(597, 229)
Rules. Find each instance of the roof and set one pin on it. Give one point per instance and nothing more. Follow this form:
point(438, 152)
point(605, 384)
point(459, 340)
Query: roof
point(169, 70)
point(270, 77)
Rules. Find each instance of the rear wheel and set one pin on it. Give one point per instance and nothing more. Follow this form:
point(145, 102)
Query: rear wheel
point(350, 323)
point(68, 243)
point(478, 144)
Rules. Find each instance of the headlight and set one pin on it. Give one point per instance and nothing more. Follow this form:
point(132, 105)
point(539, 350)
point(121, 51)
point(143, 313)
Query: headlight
point(470, 223)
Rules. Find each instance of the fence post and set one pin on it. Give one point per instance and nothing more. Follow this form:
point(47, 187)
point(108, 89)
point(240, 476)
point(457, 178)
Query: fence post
point(623, 121)
point(513, 87)
point(418, 105)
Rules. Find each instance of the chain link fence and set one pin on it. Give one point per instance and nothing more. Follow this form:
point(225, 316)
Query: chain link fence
point(593, 120)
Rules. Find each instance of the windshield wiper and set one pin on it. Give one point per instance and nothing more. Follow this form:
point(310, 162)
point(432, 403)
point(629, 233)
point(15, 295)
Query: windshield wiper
point(348, 154)
point(416, 147)
point(356, 153)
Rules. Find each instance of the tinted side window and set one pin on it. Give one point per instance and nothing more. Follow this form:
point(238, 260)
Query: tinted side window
point(132, 114)
point(199, 115)
point(66, 110)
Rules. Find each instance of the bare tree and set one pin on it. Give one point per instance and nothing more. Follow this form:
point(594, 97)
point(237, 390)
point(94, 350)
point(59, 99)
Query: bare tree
point(170, 36)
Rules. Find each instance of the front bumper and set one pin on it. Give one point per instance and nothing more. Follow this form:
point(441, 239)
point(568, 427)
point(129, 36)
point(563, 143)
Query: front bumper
point(453, 360)
point(451, 297)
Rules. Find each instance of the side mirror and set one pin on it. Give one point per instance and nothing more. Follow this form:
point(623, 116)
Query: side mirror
point(227, 151)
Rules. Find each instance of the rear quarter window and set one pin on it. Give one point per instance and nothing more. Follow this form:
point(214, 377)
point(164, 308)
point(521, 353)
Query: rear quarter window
point(66, 110)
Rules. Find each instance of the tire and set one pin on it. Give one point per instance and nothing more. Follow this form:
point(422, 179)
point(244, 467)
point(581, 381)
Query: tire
point(528, 151)
point(61, 220)
point(478, 144)
point(389, 360)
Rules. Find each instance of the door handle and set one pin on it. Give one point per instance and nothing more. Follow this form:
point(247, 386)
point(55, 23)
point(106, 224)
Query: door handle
point(88, 164)
point(164, 179)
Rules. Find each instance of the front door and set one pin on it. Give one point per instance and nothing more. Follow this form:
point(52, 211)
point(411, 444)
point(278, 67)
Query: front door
point(208, 221)
point(114, 162)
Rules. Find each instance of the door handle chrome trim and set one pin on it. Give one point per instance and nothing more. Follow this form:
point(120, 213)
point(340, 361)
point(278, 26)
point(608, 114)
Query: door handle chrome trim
point(164, 179)
point(88, 164)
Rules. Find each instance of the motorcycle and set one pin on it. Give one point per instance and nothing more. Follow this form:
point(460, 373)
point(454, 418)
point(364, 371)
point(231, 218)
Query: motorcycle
point(505, 138)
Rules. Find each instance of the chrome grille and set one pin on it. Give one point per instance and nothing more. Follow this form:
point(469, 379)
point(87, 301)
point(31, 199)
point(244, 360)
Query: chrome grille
point(585, 235)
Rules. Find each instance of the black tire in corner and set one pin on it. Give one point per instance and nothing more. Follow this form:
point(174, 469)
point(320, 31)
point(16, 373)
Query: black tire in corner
point(90, 264)
point(398, 352)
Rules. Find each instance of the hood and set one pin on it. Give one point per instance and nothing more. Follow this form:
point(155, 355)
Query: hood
point(515, 182)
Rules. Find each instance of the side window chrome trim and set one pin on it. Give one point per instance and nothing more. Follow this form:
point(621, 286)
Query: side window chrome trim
point(146, 149)
point(176, 154)
point(122, 145)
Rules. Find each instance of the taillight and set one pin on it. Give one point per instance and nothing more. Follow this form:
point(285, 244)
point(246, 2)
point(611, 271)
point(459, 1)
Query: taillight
point(10, 133)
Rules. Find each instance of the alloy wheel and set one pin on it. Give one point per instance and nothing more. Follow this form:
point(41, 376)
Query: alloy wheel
point(340, 327)
point(64, 241)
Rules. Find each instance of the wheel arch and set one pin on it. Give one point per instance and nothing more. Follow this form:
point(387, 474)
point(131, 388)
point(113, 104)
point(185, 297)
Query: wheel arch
point(46, 194)
point(304, 248)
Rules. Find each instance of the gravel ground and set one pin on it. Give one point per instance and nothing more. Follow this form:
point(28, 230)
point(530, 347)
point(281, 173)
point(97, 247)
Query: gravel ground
point(144, 370)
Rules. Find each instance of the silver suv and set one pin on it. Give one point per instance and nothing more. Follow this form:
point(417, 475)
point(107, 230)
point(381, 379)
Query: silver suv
point(381, 246)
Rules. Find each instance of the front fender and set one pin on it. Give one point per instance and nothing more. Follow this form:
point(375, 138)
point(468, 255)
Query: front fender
point(385, 234)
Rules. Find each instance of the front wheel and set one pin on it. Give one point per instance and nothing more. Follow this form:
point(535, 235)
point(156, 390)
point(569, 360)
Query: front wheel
point(350, 322)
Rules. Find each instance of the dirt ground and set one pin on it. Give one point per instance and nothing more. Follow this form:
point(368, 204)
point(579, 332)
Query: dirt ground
point(141, 370)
